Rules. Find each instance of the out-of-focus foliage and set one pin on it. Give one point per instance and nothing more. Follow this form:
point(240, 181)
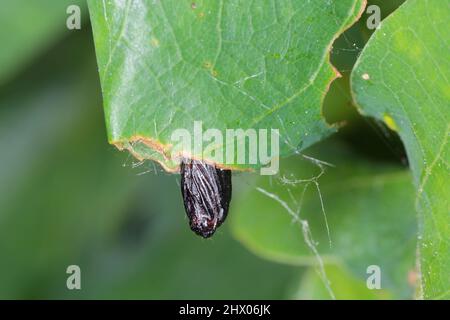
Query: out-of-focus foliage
point(28, 27)
point(368, 208)
point(344, 285)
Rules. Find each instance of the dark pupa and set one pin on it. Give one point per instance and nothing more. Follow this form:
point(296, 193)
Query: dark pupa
point(206, 194)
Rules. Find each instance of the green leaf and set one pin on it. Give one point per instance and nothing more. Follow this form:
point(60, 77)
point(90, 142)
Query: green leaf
point(229, 64)
point(359, 198)
point(402, 77)
point(27, 27)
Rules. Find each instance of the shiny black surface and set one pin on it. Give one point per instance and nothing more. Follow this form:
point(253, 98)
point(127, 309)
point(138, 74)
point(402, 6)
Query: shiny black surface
point(206, 194)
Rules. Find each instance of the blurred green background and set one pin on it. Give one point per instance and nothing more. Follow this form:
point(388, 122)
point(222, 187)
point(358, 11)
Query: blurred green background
point(67, 197)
